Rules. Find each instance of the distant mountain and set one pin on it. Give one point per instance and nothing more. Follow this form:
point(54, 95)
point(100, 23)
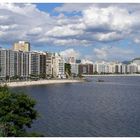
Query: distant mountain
point(126, 62)
point(138, 58)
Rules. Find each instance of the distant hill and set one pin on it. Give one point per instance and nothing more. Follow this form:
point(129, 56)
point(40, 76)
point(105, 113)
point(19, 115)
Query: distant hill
point(138, 58)
point(126, 62)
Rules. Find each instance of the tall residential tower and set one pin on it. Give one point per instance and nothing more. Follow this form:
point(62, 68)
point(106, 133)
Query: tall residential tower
point(21, 46)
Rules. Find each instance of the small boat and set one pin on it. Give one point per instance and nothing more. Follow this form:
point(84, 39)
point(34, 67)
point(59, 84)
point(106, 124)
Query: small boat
point(100, 80)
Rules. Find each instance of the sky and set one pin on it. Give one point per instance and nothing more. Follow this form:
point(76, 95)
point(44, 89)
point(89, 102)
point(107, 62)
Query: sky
point(90, 31)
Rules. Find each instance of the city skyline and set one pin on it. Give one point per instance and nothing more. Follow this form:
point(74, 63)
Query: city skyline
point(94, 31)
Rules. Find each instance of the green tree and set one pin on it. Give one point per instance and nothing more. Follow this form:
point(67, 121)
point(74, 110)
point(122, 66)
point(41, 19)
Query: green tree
point(67, 69)
point(7, 77)
point(16, 113)
point(95, 72)
point(80, 76)
point(15, 77)
point(42, 75)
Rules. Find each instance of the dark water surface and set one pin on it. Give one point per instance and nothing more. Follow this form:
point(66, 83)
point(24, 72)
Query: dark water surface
point(109, 108)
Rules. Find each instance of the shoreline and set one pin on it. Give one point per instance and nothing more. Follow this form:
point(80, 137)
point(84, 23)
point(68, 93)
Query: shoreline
point(41, 82)
point(111, 75)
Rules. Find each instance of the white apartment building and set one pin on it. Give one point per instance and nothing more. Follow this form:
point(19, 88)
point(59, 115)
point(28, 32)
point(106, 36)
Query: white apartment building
point(110, 67)
point(137, 61)
point(132, 68)
point(58, 66)
point(124, 68)
point(101, 67)
point(74, 68)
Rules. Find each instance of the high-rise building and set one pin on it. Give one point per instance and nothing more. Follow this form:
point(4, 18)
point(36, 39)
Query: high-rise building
point(43, 64)
point(110, 67)
point(85, 68)
point(14, 63)
point(58, 68)
point(124, 68)
point(136, 61)
point(132, 68)
point(34, 64)
point(102, 67)
point(71, 60)
point(74, 69)
point(118, 68)
point(24, 65)
point(3, 62)
point(22, 46)
point(49, 64)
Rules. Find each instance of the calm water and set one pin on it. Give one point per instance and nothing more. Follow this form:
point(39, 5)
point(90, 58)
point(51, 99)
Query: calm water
point(109, 108)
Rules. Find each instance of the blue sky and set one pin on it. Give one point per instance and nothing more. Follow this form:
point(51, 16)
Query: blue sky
point(90, 31)
point(49, 7)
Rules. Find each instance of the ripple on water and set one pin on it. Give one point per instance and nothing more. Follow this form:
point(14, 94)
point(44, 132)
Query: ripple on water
point(109, 108)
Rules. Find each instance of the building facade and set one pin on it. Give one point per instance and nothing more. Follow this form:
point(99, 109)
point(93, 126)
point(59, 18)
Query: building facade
point(34, 64)
point(85, 68)
point(21, 46)
point(3, 63)
point(58, 68)
point(74, 69)
point(49, 64)
point(14, 63)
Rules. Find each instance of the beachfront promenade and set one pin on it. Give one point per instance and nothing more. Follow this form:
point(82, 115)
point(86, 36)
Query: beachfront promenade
point(41, 82)
point(57, 81)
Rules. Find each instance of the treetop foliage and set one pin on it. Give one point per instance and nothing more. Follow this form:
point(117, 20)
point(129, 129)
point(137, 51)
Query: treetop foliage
point(16, 112)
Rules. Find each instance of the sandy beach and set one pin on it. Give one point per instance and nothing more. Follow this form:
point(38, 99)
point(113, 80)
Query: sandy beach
point(40, 82)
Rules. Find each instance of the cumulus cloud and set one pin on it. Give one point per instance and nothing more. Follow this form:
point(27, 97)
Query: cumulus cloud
point(70, 53)
point(23, 22)
point(91, 23)
point(136, 40)
point(65, 31)
point(114, 53)
point(101, 53)
point(111, 18)
point(72, 7)
point(86, 61)
point(101, 23)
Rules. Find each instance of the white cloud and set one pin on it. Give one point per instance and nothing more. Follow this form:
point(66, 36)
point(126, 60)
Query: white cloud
point(111, 36)
point(110, 23)
point(114, 53)
point(70, 42)
point(70, 53)
point(61, 31)
point(136, 40)
point(95, 23)
point(112, 18)
point(36, 30)
point(72, 7)
point(23, 22)
point(101, 53)
point(86, 61)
